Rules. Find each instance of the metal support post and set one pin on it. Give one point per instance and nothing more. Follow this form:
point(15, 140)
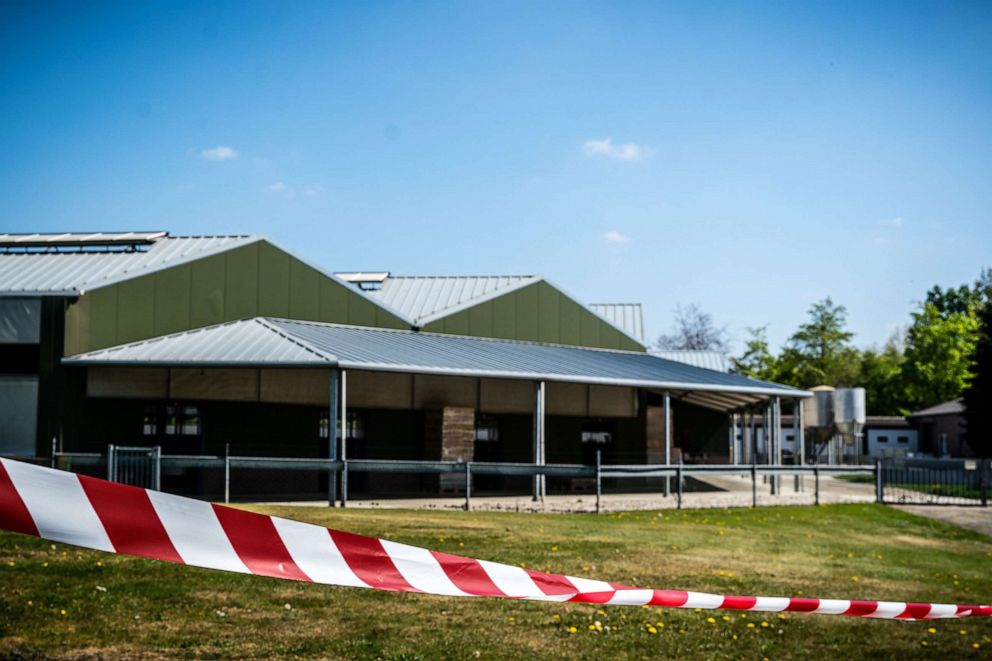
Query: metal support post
point(468, 486)
point(227, 472)
point(668, 441)
point(157, 468)
point(539, 480)
point(754, 485)
point(986, 468)
point(332, 438)
point(344, 438)
point(599, 477)
point(678, 484)
point(111, 469)
point(54, 445)
point(879, 495)
point(816, 484)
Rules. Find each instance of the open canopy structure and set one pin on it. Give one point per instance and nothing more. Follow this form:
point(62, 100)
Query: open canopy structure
point(269, 342)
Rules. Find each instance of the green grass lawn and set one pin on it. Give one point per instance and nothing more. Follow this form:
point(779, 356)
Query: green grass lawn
point(56, 600)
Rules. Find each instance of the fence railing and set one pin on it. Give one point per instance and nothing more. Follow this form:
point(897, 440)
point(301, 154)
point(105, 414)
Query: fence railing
point(675, 474)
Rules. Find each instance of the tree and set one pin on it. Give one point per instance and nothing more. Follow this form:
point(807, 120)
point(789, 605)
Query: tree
point(820, 350)
point(693, 330)
point(940, 346)
point(881, 377)
point(978, 395)
point(757, 360)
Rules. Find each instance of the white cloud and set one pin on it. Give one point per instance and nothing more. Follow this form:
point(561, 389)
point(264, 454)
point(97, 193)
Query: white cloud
point(898, 221)
point(614, 236)
point(625, 152)
point(219, 153)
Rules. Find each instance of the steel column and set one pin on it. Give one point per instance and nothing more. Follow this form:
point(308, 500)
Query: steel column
point(668, 440)
point(332, 437)
point(344, 438)
point(539, 480)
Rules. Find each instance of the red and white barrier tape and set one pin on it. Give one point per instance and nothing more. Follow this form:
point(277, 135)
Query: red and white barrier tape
point(96, 514)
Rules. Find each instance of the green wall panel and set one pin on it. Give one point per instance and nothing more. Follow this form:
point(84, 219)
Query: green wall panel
point(136, 309)
point(549, 313)
point(480, 320)
point(253, 280)
point(172, 299)
point(304, 296)
point(273, 281)
point(207, 291)
point(241, 282)
point(570, 322)
point(528, 326)
point(505, 317)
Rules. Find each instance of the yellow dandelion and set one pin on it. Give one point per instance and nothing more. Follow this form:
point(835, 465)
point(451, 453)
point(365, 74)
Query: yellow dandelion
point(572, 630)
point(975, 645)
point(554, 548)
point(44, 564)
point(855, 579)
point(99, 563)
point(923, 642)
point(963, 632)
point(744, 616)
point(461, 543)
point(652, 630)
point(735, 636)
point(765, 625)
point(931, 630)
point(556, 617)
point(698, 610)
point(600, 612)
point(659, 624)
point(750, 625)
point(711, 620)
point(780, 616)
point(592, 627)
point(725, 618)
point(62, 612)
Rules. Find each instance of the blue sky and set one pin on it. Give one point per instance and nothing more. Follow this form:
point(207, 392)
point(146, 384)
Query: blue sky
point(749, 157)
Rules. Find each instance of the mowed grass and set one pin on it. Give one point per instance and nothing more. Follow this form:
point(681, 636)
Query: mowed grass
point(59, 601)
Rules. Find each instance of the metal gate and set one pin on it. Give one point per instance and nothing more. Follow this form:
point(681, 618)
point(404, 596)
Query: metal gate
point(137, 466)
point(935, 481)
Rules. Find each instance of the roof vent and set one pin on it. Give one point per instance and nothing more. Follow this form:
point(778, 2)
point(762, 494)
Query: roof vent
point(365, 280)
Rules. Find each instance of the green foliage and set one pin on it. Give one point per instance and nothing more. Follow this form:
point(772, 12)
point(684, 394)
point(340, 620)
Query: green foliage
point(939, 352)
point(978, 395)
point(881, 377)
point(936, 365)
point(757, 360)
point(820, 350)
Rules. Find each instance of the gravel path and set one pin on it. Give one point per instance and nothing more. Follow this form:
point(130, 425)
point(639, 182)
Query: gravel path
point(978, 519)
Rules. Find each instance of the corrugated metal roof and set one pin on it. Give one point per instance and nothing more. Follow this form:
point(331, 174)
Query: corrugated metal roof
point(427, 298)
point(626, 316)
point(54, 273)
point(264, 341)
point(711, 360)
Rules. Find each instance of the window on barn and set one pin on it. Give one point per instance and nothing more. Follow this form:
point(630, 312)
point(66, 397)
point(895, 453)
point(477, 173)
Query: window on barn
point(486, 429)
point(883, 439)
point(902, 439)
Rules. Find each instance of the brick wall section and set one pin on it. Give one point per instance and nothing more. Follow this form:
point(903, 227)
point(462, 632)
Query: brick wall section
point(449, 435)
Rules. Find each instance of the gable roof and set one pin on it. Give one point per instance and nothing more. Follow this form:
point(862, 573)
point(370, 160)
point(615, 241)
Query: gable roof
point(711, 360)
point(628, 317)
point(424, 299)
point(260, 342)
point(73, 273)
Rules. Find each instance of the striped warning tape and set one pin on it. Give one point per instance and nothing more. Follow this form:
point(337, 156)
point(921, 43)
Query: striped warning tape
point(96, 514)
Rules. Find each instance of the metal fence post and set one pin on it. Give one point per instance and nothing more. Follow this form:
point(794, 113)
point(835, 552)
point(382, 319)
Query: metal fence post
point(227, 472)
point(678, 484)
point(879, 496)
point(985, 467)
point(111, 469)
point(468, 486)
point(599, 478)
point(816, 484)
point(54, 446)
point(344, 483)
point(754, 485)
point(157, 476)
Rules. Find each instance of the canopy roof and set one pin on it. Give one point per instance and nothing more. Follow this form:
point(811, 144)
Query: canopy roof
point(267, 342)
